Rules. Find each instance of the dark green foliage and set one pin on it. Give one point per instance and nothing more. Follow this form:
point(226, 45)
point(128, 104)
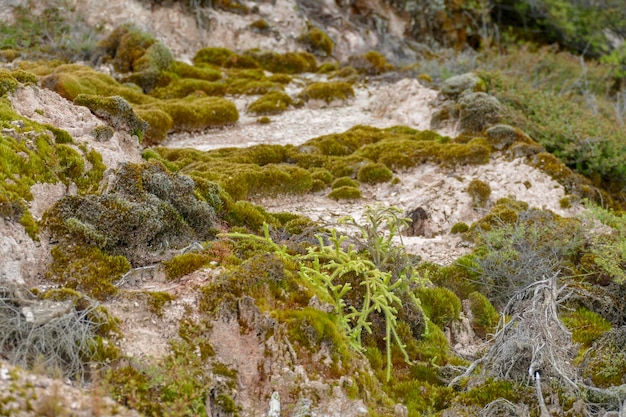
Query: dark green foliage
point(50, 33)
point(531, 245)
point(145, 209)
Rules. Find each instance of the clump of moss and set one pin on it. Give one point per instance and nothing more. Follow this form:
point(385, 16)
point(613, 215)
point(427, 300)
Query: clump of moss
point(70, 80)
point(485, 316)
point(7, 82)
point(274, 102)
point(157, 300)
point(280, 78)
point(144, 210)
point(370, 63)
point(479, 191)
point(213, 56)
point(344, 182)
point(116, 111)
point(102, 133)
point(288, 63)
point(460, 227)
point(160, 123)
point(586, 326)
point(440, 305)
point(345, 193)
point(187, 86)
point(264, 120)
point(184, 264)
point(327, 91)
point(374, 173)
point(454, 86)
point(87, 269)
point(605, 362)
point(192, 113)
point(206, 73)
point(317, 42)
point(248, 215)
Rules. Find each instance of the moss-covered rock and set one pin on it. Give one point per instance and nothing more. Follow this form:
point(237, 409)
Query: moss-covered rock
point(213, 56)
point(288, 63)
point(145, 209)
point(478, 111)
point(193, 113)
point(374, 173)
point(70, 80)
point(502, 136)
point(186, 86)
point(160, 123)
point(114, 110)
point(454, 86)
point(274, 102)
point(345, 192)
point(327, 91)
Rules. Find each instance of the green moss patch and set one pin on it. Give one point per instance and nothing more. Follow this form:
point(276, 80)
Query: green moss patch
point(147, 209)
point(87, 269)
point(191, 114)
point(327, 91)
point(274, 102)
point(273, 169)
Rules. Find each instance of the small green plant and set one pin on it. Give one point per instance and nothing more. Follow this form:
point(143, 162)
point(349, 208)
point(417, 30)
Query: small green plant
point(383, 275)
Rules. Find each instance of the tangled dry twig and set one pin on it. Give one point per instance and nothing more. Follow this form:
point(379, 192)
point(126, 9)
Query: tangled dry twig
point(45, 333)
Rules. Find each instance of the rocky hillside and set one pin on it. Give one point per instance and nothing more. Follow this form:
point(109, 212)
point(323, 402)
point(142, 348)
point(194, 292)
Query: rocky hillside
point(301, 208)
